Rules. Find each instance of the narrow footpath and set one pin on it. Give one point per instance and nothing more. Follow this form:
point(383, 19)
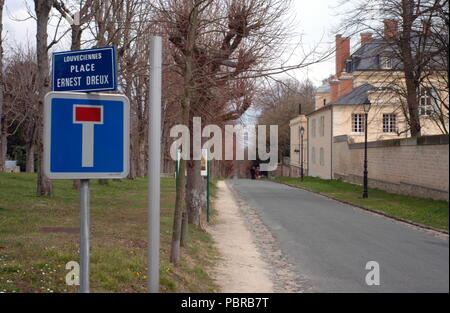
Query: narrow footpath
point(241, 268)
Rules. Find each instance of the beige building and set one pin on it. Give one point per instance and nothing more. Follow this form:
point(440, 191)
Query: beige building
point(366, 75)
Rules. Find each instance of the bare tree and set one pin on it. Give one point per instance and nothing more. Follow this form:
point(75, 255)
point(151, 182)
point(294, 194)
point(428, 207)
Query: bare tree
point(218, 48)
point(3, 139)
point(21, 99)
point(438, 35)
point(77, 14)
point(280, 102)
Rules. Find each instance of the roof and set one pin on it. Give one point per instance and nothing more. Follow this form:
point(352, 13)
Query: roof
point(369, 55)
point(325, 107)
point(357, 96)
point(324, 88)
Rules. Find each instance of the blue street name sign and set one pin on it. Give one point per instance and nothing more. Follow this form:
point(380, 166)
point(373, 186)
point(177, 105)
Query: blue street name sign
point(86, 136)
point(85, 70)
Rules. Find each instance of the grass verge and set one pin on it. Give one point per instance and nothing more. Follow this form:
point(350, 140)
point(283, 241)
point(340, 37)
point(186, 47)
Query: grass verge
point(33, 260)
point(426, 212)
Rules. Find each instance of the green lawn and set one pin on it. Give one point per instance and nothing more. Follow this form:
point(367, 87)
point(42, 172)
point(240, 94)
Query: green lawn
point(32, 260)
point(423, 211)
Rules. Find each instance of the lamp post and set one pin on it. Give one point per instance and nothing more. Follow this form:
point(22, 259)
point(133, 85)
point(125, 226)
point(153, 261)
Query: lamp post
point(302, 131)
point(366, 106)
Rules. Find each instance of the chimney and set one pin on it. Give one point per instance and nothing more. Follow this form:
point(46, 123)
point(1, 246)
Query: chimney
point(390, 29)
point(366, 37)
point(345, 85)
point(334, 86)
point(342, 53)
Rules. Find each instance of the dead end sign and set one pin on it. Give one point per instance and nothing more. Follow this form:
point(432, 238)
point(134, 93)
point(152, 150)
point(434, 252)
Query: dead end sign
point(85, 70)
point(86, 135)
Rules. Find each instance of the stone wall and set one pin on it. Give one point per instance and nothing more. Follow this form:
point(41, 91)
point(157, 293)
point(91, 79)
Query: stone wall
point(413, 166)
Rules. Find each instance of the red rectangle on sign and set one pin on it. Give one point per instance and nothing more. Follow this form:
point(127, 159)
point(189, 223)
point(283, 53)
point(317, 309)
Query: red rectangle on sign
point(88, 114)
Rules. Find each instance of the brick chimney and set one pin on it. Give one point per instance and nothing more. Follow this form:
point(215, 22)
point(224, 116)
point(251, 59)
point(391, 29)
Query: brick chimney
point(334, 86)
point(390, 29)
point(366, 37)
point(345, 84)
point(342, 53)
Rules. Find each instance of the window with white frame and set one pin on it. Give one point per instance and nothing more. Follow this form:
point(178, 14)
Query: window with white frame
point(386, 62)
point(389, 123)
point(313, 128)
point(322, 157)
point(322, 126)
point(426, 101)
point(358, 123)
point(313, 155)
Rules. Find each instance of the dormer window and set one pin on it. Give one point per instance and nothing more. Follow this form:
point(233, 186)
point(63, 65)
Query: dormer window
point(386, 62)
point(348, 66)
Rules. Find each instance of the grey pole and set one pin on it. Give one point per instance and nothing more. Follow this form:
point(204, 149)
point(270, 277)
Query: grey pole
point(84, 235)
point(154, 158)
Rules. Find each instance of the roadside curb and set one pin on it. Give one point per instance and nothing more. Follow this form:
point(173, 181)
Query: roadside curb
point(399, 219)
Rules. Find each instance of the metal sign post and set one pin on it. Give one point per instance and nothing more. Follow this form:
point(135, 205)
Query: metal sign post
point(84, 235)
point(154, 163)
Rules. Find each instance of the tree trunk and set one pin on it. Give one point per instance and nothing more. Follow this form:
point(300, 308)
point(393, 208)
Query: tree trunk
point(184, 229)
point(188, 84)
point(42, 8)
point(177, 218)
point(76, 37)
point(76, 184)
point(29, 149)
point(2, 138)
point(196, 192)
point(142, 156)
point(408, 63)
point(133, 160)
point(3, 147)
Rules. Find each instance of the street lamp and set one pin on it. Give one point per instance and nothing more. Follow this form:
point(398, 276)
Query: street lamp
point(366, 106)
point(302, 132)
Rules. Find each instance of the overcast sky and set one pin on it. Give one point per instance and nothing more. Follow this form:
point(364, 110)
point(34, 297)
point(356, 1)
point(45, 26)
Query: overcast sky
point(313, 19)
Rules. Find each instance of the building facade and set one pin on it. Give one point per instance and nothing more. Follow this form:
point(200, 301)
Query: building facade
point(368, 74)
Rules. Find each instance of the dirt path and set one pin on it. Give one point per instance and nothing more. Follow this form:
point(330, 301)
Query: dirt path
point(241, 268)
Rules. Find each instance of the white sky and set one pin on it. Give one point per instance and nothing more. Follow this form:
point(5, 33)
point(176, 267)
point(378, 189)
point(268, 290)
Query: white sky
point(316, 21)
point(313, 19)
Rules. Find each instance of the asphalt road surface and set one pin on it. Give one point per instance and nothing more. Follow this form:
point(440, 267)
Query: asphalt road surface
point(330, 243)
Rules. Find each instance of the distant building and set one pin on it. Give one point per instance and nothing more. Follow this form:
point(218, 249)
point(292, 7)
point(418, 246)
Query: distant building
point(367, 74)
point(12, 167)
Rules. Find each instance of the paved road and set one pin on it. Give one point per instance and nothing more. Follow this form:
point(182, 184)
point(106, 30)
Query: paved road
point(330, 243)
